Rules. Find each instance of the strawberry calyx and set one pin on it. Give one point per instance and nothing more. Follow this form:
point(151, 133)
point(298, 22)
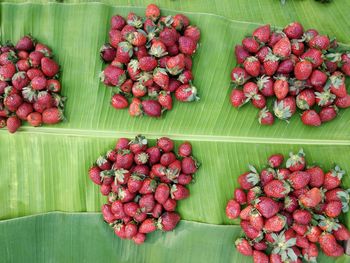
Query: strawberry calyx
point(281, 111)
point(119, 175)
point(295, 158)
point(325, 97)
point(344, 198)
point(337, 172)
point(253, 177)
point(140, 140)
point(283, 247)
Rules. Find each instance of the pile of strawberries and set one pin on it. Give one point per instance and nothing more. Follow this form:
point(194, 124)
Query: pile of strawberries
point(143, 185)
point(29, 86)
point(149, 59)
point(299, 69)
point(287, 211)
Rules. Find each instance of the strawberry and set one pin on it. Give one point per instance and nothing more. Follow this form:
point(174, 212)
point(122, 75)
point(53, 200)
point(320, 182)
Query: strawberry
point(313, 55)
point(302, 241)
point(135, 183)
point(52, 115)
point(152, 12)
point(137, 38)
point(49, 67)
point(147, 63)
point(167, 158)
point(241, 54)
point(313, 234)
point(26, 43)
point(34, 72)
point(138, 90)
point(23, 65)
point(285, 67)
point(258, 101)
point(115, 37)
point(186, 93)
point(275, 223)
point(321, 42)
point(311, 118)
point(34, 119)
point(113, 76)
point(266, 206)
point(130, 230)
point(7, 72)
point(249, 230)
point(262, 53)
point(329, 245)
point(239, 76)
point(282, 48)
point(152, 108)
point(176, 64)
point(294, 30)
point(240, 196)
point(300, 229)
point(275, 160)
point(316, 176)
point(265, 85)
point(12, 102)
point(318, 78)
point(311, 198)
point(187, 45)
point(124, 52)
point(184, 179)
point(306, 99)
point(168, 221)
point(276, 189)
point(124, 159)
point(139, 238)
point(119, 101)
point(302, 216)
point(270, 64)
point(161, 78)
point(20, 80)
point(148, 186)
point(24, 110)
point(252, 66)
point(324, 99)
point(250, 44)
point(117, 208)
point(303, 70)
point(261, 246)
point(297, 47)
point(157, 210)
point(333, 209)
point(266, 176)
point(332, 179)
point(243, 246)
point(233, 209)
point(170, 205)
point(299, 179)
point(343, 102)
point(179, 192)
point(107, 213)
point(260, 257)
point(341, 233)
point(154, 155)
point(290, 204)
point(281, 88)
point(262, 33)
point(148, 226)
point(328, 113)
point(35, 58)
point(266, 117)
point(147, 203)
point(275, 37)
point(253, 193)
point(192, 32)
point(249, 179)
point(169, 36)
point(94, 174)
point(162, 193)
point(337, 84)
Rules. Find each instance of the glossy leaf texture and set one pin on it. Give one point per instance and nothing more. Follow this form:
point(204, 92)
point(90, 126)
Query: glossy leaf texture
point(80, 237)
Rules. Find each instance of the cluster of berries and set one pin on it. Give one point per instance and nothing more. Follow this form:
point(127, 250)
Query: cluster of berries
point(143, 185)
point(302, 69)
point(29, 88)
point(289, 210)
point(149, 59)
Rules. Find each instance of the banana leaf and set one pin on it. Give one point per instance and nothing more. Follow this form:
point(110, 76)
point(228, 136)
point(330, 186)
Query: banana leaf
point(81, 237)
point(45, 169)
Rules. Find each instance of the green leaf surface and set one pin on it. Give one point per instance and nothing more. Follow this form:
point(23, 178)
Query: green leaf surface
point(83, 237)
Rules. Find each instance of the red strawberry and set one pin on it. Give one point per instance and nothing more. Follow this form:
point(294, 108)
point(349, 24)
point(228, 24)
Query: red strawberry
point(130, 230)
point(285, 67)
point(154, 155)
point(275, 223)
point(306, 99)
point(34, 72)
point(252, 66)
point(251, 45)
point(26, 43)
point(23, 65)
point(34, 119)
point(341, 233)
point(262, 53)
point(314, 56)
point(270, 64)
point(294, 30)
point(184, 179)
point(333, 178)
point(148, 186)
point(299, 179)
point(187, 45)
point(265, 85)
point(152, 12)
point(113, 76)
point(121, 210)
point(343, 102)
point(124, 159)
point(318, 78)
point(313, 234)
point(119, 101)
point(162, 193)
point(258, 101)
point(152, 108)
point(239, 76)
point(49, 67)
point(169, 36)
point(35, 58)
point(311, 118)
point(161, 78)
point(139, 238)
point(266, 176)
point(186, 93)
point(148, 226)
point(135, 183)
point(240, 196)
point(241, 54)
point(192, 32)
point(282, 48)
point(297, 47)
point(179, 192)
point(185, 149)
point(176, 64)
point(94, 174)
point(147, 203)
point(157, 210)
point(20, 80)
point(233, 209)
point(266, 117)
point(260, 257)
point(147, 63)
point(328, 113)
point(249, 230)
point(170, 205)
point(24, 110)
point(275, 160)
point(267, 206)
point(107, 213)
point(302, 242)
point(302, 216)
point(276, 189)
point(281, 88)
point(333, 209)
point(243, 246)
point(303, 70)
point(7, 72)
point(330, 246)
point(168, 221)
point(300, 229)
point(337, 84)
point(311, 198)
point(262, 33)
point(253, 193)
point(320, 42)
point(115, 37)
point(12, 102)
point(52, 115)
point(275, 37)
point(290, 204)
point(249, 179)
